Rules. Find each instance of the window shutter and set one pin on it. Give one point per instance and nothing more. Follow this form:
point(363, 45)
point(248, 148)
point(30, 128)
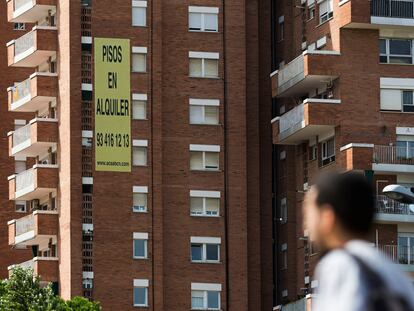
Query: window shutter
point(391, 99)
point(194, 21)
point(210, 22)
point(211, 67)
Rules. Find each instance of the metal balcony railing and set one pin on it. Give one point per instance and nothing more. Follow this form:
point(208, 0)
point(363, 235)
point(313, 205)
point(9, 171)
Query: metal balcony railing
point(21, 135)
point(386, 205)
point(393, 155)
point(24, 179)
point(403, 255)
point(393, 8)
point(24, 43)
point(20, 3)
point(25, 224)
point(21, 90)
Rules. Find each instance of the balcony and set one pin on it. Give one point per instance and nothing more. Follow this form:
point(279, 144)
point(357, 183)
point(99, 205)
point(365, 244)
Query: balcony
point(34, 139)
point(33, 94)
point(29, 11)
point(34, 48)
point(311, 118)
point(390, 211)
point(34, 229)
point(393, 159)
point(392, 12)
point(309, 71)
point(34, 183)
point(401, 255)
point(46, 268)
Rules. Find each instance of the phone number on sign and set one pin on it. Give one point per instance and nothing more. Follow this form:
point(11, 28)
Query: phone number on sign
point(112, 140)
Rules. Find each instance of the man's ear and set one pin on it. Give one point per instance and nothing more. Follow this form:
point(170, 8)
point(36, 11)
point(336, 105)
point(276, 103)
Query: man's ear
point(327, 219)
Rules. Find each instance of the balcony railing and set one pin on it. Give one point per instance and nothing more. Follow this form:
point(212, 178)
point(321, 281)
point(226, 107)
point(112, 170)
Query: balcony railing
point(24, 43)
point(393, 155)
point(393, 8)
point(21, 90)
point(292, 73)
point(25, 179)
point(403, 255)
point(21, 135)
point(21, 3)
point(25, 224)
point(386, 205)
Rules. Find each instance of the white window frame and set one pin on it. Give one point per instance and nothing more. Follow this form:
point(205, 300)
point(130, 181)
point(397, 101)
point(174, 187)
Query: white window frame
point(204, 149)
point(204, 241)
point(136, 143)
point(140, 236)
point(141, 50)
point(202, 11)
point(325, 157)
point(139, 4)
point(140, 190)
point(204, 195)
point(325, 16)
point(388, 54)
point(140, 98)
point(205, 103)
point(205, 288)
point(203, 56)
point(283, 211)
point(141, 283)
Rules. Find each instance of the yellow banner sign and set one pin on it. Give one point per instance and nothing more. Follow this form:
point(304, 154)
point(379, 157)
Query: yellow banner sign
point(112, 105)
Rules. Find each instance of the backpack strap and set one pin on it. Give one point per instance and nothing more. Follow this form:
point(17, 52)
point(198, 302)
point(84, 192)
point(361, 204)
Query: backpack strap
point(371, 278)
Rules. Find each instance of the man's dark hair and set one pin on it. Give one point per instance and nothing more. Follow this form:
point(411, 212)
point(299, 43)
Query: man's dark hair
point(351, 196)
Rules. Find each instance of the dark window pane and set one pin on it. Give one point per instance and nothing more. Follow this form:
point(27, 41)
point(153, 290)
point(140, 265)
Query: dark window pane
point(383, 59)
point(213, 300)
point(407, 97)
point(383, 46)
point(196, 252)
point(139, 248)
point(212, 252)
point(400, 47)
point(400, 60)
point(86, 95)
point(140, 296)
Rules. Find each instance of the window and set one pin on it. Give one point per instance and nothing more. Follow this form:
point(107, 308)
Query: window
point(405, 249)
point(140, 195)
point(283, 211)
point(139, 59)
point(140, 246)
point(204, 65)
point(139, 152)
point(205, 296)
point(396, 51)
point(20, 206)
point(203, 19)
point(325, 10)
point(139, 13)
point(311, 12)
point(284, 257)
point(405, 150)
point(204, 157)
point(281, 27)
point(204, 111)
point(328, 151)
point(19, 26)
point(205, 249)
point(397, 100)
point(205, 203)
point(139, 106)
point(313, 153)
point(141, 293)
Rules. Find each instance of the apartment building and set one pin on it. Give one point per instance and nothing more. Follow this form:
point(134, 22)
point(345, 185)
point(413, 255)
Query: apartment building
point(135, 153)
point(343, 90)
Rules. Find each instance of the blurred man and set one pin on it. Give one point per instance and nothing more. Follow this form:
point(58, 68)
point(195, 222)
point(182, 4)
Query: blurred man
point(352, 274)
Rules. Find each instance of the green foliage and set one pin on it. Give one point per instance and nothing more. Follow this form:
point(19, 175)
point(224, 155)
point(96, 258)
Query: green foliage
point(23, 292)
